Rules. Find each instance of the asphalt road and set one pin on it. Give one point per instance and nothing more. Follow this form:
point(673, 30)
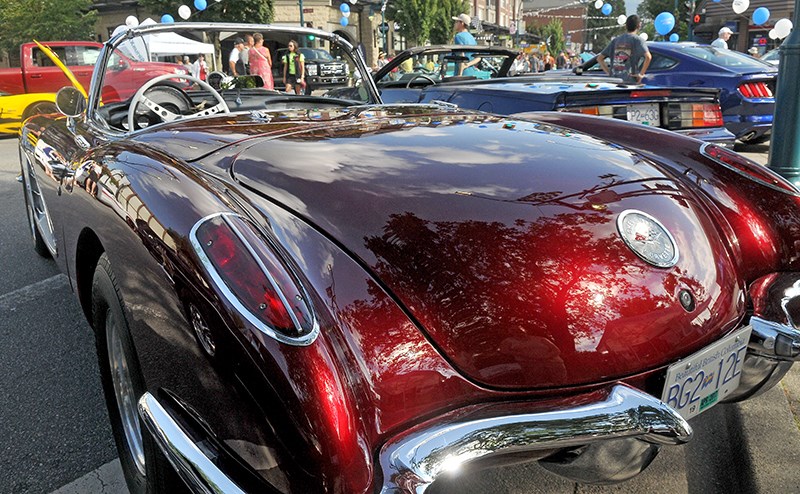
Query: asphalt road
point(54, 428)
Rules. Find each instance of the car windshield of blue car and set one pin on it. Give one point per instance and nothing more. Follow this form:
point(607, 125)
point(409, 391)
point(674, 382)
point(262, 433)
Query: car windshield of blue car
point(725, 58)
point(427, 68)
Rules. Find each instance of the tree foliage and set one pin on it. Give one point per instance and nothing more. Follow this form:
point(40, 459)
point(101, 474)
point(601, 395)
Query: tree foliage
point(442, 28)
point(22, 21)
point(648, 10)
point(600, 28)
point(257, 11)
point(552, 33)
point(415, 18)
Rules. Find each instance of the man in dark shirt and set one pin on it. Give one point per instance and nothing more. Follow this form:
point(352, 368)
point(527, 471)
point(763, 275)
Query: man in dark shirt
point(626, 52)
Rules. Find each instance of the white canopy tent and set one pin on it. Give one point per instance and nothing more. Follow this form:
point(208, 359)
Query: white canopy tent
point(165, 44)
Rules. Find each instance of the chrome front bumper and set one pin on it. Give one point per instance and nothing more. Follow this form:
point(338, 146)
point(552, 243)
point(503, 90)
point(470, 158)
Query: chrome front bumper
point(626, 420)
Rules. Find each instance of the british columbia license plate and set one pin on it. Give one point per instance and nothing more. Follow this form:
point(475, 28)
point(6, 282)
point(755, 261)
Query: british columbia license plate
point(645, 114)
point(699, 381)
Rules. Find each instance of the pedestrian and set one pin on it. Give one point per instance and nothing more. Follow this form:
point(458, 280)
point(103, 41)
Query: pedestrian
point(753, 52)
point(261, 61)
point(549, 61)
point(464, 37)
point(627, 53)
point(561, 60)
point(294, 69)
point(249, 42)
point(235, 63)
point(199, 68)
point(381, 61)
point(724, 35)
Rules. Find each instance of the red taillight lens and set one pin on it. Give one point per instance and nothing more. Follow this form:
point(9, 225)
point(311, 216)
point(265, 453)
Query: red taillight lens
point(755, 90)
point(749, 168)
point(706, 115)
point(253, 278)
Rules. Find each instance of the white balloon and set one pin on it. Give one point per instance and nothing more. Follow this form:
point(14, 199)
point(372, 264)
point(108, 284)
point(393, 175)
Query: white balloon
point(740, 6)
point(354, 2)
point(131, 21)
point(773, 34)
point(621, 19)
point(598, 4)
point(783, 27)
point(644, 36)
point(346, 14)
point(184, 11)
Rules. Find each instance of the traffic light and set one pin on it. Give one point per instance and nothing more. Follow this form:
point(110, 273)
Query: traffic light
point(698, 19)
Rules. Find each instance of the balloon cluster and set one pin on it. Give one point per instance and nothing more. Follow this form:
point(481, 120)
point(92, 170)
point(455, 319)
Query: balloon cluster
point(345, 10)
point(604, 7)
point(184, 12)
point(664, 24)
point(781, 30)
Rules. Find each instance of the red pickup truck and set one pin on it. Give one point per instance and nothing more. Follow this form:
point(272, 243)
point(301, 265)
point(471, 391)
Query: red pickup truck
point(38, 74)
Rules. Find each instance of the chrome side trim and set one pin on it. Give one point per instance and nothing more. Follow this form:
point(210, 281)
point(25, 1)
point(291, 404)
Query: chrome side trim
point(303, 340)
point(414, 462)
point(775, 340)
point(193, 466)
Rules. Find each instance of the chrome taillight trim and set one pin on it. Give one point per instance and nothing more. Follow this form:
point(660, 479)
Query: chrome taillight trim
point(192, 465)
point(302, 340)
point(704, 152)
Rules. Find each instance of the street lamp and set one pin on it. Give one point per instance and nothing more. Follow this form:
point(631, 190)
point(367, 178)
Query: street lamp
point(784, 150)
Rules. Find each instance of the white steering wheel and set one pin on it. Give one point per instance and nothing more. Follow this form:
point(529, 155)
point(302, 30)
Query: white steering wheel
point(166, 115)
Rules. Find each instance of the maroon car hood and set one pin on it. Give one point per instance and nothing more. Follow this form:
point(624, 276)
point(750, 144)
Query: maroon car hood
point(500, 239)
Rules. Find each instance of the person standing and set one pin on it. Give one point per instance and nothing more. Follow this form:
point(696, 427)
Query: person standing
point(235, 63)
point(261, 61)
point(722, 40)
point(245, 53)
point(294, 69)
point(627, 52)
point(200, 68)
point(464, 37)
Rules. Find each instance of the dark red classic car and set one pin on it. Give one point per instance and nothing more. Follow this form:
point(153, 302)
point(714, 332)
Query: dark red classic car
point(300, 294)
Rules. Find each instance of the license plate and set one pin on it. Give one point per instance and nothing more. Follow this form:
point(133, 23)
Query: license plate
point(699, 381)
point(645, 114)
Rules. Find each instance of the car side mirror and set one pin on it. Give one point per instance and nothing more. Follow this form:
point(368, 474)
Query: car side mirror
point(122, 65)
point(70, 101)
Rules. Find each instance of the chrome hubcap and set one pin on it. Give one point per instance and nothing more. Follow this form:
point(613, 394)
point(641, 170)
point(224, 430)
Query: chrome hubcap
point(124, 393)
point(203, 332)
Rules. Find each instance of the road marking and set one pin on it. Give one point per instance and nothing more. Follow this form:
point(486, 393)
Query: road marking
point(11, 300)
point(107, 479)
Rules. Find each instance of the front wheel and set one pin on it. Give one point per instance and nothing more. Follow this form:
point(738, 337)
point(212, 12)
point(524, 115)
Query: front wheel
point(145, 468)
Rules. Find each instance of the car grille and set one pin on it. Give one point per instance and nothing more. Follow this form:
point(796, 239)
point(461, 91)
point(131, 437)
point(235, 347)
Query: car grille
point(328, 69)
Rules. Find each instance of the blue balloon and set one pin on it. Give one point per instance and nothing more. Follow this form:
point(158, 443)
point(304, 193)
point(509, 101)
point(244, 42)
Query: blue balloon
point(200, 4)
point(343, 21)
point(607, 8)
point(167, 19)
point(344, 8)
point(674, 37)
point(664, 23)
point(760, 16)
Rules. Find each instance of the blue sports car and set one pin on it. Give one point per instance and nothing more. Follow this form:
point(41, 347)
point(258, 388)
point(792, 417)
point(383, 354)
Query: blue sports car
point(435, 74)
point(746, 84)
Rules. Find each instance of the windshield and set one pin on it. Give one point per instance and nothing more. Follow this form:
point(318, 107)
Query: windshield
point(166, 72)
point(725, 58)
point(772, 56)
point(316, 54)
point(443, 66)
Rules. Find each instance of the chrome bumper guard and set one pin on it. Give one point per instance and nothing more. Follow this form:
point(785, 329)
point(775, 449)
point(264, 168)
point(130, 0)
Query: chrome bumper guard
point(608, 441)
point(775, 341)
point(193, 466)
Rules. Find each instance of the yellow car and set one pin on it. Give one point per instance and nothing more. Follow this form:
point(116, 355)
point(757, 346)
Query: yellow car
point(15, 108)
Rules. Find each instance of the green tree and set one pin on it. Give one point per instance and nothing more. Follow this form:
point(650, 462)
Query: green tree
point(415, 18)
point(552, 33)
point(601, 28)
point(257, 11)
point(24, 20)
point(648, 10)
point(442, 28)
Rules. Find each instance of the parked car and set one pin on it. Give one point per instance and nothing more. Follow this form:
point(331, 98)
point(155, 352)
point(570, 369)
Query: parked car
point(747, 85)
point(322, 70)
point(772, 57)
point(39, 74)
point(306, 294)
point(430, 73)
point(17, 107)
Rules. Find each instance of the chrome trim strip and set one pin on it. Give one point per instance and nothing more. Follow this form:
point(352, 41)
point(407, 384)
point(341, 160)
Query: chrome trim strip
point(776, 340)
point(417, 460)
point(703, 151)
point(193, 466)
point(303, 340)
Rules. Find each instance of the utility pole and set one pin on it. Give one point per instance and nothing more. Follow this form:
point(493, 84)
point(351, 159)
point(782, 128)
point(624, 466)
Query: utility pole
point(784, 150)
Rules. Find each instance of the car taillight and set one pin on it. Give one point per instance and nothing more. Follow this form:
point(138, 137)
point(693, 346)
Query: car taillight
point(747, 167)
point(254, 278)
point(700, 115)
point(601, 111)
point(755, 90)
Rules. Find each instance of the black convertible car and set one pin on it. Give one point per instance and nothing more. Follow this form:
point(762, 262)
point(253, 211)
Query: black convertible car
point(435, 74)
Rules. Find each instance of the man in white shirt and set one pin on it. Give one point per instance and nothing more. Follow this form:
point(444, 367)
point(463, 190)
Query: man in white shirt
point(724, 36)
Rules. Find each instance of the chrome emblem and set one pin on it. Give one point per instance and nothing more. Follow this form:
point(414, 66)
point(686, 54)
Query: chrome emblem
point(647, 238)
